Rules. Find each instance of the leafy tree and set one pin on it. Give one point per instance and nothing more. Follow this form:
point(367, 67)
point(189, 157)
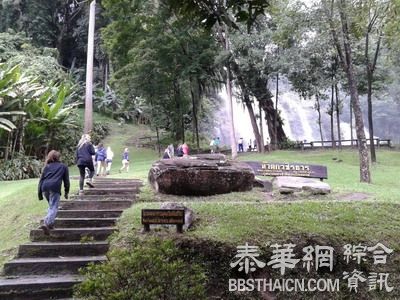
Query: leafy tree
point(339, 17)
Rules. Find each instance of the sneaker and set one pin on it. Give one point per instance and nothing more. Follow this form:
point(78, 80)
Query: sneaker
point(80, 193)
point(45, 229)
point(88, 183)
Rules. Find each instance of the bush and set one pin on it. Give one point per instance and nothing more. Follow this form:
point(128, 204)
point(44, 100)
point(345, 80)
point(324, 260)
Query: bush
point(99, 132)
point(151, 270)
point(20, 167)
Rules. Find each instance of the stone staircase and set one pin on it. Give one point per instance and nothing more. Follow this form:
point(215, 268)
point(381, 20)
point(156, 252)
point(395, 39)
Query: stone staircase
point(47, 268)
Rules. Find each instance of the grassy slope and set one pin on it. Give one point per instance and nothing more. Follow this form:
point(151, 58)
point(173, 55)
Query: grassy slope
point(232, 218)
point(222, 218)
point(20, 211)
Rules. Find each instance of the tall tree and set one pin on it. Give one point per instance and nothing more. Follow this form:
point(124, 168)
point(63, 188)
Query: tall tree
point(344, 46)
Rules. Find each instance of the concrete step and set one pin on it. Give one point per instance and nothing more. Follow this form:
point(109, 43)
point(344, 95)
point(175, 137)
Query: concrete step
point(111, 213)
point(73, 234)
point(104, 197)
point(84, 222)
point(95, 204)
point(38, 287)
point(105, 184)
point(116, 180)
point(111, 191)
point(55, 249)
point(49, 265)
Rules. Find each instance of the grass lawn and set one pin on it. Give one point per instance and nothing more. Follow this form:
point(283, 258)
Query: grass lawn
point(238, 217)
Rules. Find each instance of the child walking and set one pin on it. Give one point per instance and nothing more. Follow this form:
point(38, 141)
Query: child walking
point(54, 173)
point(125, 161)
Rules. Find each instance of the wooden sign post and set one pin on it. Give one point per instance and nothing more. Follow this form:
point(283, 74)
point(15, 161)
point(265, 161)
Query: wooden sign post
point(163, 217)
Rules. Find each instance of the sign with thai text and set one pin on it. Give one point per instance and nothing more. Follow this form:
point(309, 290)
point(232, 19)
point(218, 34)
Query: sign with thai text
point(288, 169)
point(163, 217)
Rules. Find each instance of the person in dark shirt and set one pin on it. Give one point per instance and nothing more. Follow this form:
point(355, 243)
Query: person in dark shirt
point(84, 153)
point(100, 158)
point(54, 173)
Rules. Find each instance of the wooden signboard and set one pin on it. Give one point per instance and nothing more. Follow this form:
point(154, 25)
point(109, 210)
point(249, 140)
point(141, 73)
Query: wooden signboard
point(163, 217)
point(288, 169)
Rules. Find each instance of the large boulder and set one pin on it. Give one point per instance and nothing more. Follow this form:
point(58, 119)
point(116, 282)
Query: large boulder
point(290, 184)
point(200, 175)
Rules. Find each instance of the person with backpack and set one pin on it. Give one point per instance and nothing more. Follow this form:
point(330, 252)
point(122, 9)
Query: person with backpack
point(84, 153)
point(53, 175)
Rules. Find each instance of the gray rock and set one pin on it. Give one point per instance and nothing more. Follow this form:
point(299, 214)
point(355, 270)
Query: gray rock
point(288, 184)
point(200, 177)
point(265, 184)
point(189, 214)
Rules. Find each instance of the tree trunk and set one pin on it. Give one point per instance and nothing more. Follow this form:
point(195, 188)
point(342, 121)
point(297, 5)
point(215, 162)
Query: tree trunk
point(275, 141)
point(262, 147)
point(246, 100)
point(253, 123)
point(195, 94)
point(331, 114)
point(370, 68)
point(318, 108)
point(264, 98)
point(370, 120)
point(365, 175)
point(351, 123)
point(338, 116)
point(8, 147)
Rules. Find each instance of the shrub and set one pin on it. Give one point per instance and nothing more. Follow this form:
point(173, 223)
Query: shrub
point(20, 167)
point(151, 270)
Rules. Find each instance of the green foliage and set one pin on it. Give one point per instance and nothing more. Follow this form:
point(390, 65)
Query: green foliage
point(100, 131)
point(20, 167)
point(150, 270)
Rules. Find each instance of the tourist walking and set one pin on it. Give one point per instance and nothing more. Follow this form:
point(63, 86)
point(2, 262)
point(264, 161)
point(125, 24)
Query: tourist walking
point(54, 174)
point(185, 149)
point(100, 157)
point(125, 161)
point(167, 153)
point(109, 158)
point(240, 145)
point(212, 145)
point(216, 144)
point(84, 153)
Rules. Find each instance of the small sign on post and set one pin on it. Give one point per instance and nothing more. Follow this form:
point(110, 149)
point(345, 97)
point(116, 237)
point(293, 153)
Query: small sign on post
point(163, 217)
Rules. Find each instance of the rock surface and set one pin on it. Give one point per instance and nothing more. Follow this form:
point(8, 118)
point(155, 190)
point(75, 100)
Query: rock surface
point(289, 185)
point(265, 184)
point(200, 175)
point(189, 214)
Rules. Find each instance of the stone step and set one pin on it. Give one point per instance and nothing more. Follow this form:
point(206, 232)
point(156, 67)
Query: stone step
point(110, 213)
point(95, 204)
point(115, 180)
point(49, 265)
point(54, 249)
point(38, 287)
point(84, 222)
point(111, 191)
point(104, 197)
point(73, 234)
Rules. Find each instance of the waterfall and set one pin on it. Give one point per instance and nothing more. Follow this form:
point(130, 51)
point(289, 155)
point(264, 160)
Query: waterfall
point(300, 118)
